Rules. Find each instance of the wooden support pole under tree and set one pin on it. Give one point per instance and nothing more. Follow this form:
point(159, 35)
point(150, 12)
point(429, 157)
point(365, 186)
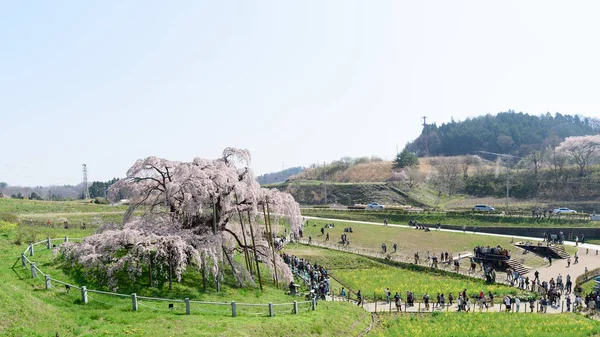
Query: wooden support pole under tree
point(272, 245)
point(214, 218)
point(254, 248)
point(170, 273)
point(203, 257)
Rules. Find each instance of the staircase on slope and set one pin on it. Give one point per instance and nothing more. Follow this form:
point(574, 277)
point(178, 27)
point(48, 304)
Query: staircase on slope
point(517, 266)
point(560, 251)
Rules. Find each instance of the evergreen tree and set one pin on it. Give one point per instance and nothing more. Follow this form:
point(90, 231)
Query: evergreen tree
point(405, 159)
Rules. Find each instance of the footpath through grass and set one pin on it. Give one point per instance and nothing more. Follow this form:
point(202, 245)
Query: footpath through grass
point(372, 277)
point(31, 310)
point(487, 324)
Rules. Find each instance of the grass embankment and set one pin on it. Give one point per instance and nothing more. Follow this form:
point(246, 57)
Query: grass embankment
point(372, 277)
point(487, 324)
point(39, 212)
point(458, 219)
point(30, 310)
point(411, 240)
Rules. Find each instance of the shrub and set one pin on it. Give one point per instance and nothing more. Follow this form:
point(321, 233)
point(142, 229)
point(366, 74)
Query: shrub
point(101, 201)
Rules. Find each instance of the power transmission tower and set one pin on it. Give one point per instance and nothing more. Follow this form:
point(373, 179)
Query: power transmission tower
point(425, 132)
point(502, 155)
point(325, 181)
point(86, 191)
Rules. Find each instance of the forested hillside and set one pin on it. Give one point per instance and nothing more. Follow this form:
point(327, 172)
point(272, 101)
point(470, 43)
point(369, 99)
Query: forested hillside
point(507, 132)
point(279, 177)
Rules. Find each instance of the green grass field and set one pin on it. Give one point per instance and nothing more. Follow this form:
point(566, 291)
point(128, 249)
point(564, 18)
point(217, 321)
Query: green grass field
point(411, 240)
point(372, 277)
point(24, 206)
point(448, 219)
point(31, 310)
point(489, 325)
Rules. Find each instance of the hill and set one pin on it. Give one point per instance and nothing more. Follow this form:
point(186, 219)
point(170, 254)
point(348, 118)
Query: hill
point(279, 177)
point(507, 132)
point(349, 170)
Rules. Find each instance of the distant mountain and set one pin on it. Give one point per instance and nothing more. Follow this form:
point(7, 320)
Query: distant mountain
point(507, 132)
point(278, 177)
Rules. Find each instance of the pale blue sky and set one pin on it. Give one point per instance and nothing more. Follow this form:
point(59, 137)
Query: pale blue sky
point(295, 82)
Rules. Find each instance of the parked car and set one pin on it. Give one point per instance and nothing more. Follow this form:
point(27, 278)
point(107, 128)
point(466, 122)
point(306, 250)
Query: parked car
point(374, 206)
point(563, 210)
point(483, 208)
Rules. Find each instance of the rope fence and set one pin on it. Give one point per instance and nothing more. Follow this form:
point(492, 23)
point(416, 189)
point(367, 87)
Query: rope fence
point(81, 294)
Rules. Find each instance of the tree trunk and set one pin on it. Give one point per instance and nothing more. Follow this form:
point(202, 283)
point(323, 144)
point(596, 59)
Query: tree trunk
point(246, 257)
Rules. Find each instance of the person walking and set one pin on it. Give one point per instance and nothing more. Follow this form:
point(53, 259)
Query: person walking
point(398, 302)
point(568, 262)
point(576, 257)
point(358, 298)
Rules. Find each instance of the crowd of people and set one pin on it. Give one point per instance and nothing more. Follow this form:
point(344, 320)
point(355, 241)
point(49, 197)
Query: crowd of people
point(314, 275)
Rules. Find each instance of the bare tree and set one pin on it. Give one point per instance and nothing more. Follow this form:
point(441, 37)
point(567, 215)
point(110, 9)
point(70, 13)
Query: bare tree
point(449, 170)
point(469, 161)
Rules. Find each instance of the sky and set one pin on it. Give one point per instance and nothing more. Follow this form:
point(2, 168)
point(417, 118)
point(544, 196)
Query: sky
point(295, 82)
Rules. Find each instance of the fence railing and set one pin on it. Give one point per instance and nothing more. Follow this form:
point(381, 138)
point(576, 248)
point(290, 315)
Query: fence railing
point(136, 302)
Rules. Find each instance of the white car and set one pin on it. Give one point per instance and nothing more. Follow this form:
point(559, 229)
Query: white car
point(483, 208)
point(563, 210)
point(374, 206)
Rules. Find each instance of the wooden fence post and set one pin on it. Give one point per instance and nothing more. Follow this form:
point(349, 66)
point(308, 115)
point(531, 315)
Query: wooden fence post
point(48, 244)
point(271, 311)
point(375, 300)
point(295, 307)
point(233, 309)
point(134, 304)
point(48, 285)
point(33, 271)
point(30, 249)
point(66, 239)
point(314, 304)
point(187, 306)
point(23, 263)
point(84, 296)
